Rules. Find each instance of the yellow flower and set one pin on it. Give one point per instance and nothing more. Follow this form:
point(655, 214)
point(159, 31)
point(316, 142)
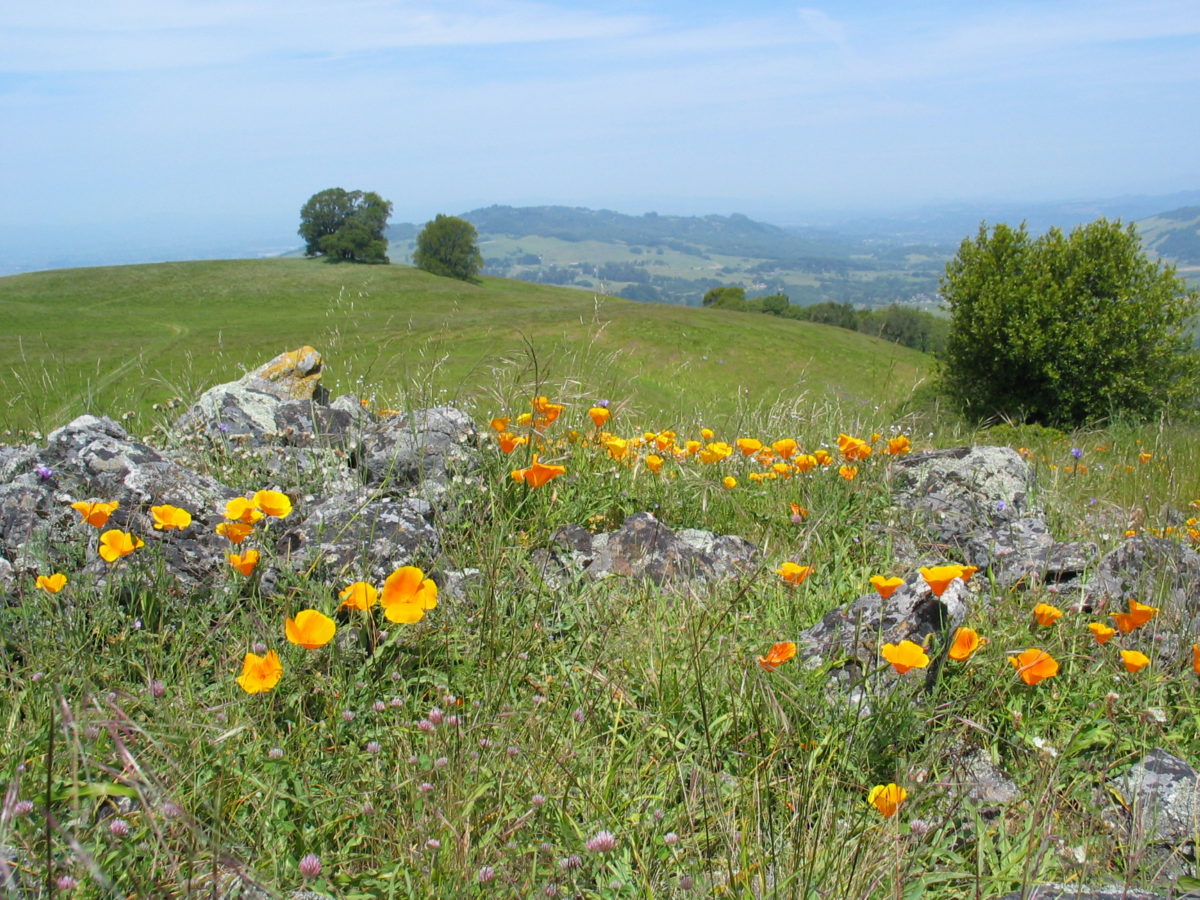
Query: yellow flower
point(95, 513)
point(804, 462)
point(1145, 457)
point(794, 573)
point(260, 673)
point(887, 798)
point(599, 415)
point(1045, 614)
point(274, 503)
point(707, 433)
point(848, 472)
point(730, 482)
point(715, 452)
point(242, 509)
point(1134, 661)
point(822, 458)
point(168, 517)
point(749, 446)
point(785, 448)
point(653, 462)
point(1101, 632)
point(898, 446)
point(360, 595)
point(51, 584)
point(777, 655)
point(310, 629)
point(234, 532)
point(1034, 665)
point(966, 642)
point(114, 544)
point(885, 586)
point(524, 419)
point(244, 562)
point(905, 655)
point(407, 593)
point(618, 448)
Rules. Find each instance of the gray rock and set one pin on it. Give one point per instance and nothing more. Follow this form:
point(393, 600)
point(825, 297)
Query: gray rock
point(645, 548)
point(425, 446)
point(1161, 805)
point(1151, 570)
point(974, 776)
point(1082, 892)
point(362, 535)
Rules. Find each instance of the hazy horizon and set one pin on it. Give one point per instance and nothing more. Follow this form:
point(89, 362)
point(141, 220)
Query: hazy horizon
point(159, 120)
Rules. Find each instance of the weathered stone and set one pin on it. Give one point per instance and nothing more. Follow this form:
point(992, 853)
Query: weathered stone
point(645, 548)
point(974, 776)
point(361, 534)
point(1161, 795)
point(1082, 892)
point(425, 446)
point(1150, 570)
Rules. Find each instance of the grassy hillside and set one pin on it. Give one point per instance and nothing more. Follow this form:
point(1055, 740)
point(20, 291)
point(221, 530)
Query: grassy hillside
point(1175, 235)
point(122, 339)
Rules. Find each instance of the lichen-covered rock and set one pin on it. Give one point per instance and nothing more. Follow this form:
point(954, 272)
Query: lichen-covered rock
point(1083, 892)
point(645, 548)
point(426, 446)
point(360, 536)
point(1160, 797)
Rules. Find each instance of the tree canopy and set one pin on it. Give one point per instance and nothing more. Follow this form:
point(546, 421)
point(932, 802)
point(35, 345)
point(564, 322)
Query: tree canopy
point(345, 225)
point(448, 246)
point(1066, 329)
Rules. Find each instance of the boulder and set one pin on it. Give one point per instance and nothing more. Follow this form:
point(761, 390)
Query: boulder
point(1160, 808)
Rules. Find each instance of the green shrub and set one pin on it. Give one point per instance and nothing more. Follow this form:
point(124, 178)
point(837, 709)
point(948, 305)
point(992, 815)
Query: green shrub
point(1066, 329)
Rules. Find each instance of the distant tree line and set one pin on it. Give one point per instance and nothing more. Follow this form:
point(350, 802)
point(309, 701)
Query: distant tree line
point(899, 324)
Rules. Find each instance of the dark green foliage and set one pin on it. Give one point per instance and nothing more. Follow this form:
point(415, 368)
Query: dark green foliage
point(448, 246)
point(1066, 329)
point(726, 298)
point(345, 225)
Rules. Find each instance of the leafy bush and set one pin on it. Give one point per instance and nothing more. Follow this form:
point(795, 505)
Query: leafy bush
point(1066, 329)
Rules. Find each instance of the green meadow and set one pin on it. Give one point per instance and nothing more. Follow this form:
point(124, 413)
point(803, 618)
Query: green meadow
point(529, 737)
point(122, 339)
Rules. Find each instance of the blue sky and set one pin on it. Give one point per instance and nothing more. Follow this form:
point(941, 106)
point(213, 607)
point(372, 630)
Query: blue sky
point(156, 116)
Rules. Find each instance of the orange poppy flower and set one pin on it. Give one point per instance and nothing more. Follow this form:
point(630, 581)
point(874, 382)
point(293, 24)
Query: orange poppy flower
point(360, 595)
point(939, 577)
point(852, 448)
point(707, 434)
point(822, 458)
point(260, 673)
point(785, 447)
point(95, 513)
point(749, 446)
point(848, 472)
point(51, 584)
point(653, 462)
point(715, 452)
point(1145, 457)
point(777, 655)
point(805, 462)
point(966, 642)
point(905, 655)
point(1134, 660)
point(310, 629)
point(499, 424)
point(242, 509)
point(538, 474)
point(887, 798)
point(885, 586)
point(234, 532)
point(1101, 632)
point(1196, 658)
point(275, 504)
point(509, 442)
point(407, 593)
point(1139, 614)
point(599, 415)
point(799, 513)
point(730, 482)
point(794, 573)
point(244, 562)
point(898, 446)
point(1045, 614)
point(114, 544)
point(1034, 665)
point(167, 517)
point(618, 448)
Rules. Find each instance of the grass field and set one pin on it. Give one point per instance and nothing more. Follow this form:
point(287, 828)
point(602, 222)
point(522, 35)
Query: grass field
point(121, 339)
point(601, 740)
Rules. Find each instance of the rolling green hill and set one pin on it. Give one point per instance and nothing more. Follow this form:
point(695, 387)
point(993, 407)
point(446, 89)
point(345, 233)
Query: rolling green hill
point(122, 339)
point(1174, 235)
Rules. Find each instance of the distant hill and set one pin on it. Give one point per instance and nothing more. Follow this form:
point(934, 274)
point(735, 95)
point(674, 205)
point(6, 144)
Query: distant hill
point(1174, 235)
point(127, 339)
point(676, 259)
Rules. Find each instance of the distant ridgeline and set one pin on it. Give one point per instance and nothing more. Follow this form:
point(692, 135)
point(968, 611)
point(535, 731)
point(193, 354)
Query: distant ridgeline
point(676, 259)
